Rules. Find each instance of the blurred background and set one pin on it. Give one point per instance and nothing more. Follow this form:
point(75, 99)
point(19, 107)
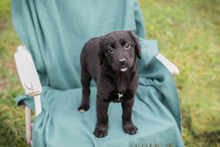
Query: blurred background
point(188, 34)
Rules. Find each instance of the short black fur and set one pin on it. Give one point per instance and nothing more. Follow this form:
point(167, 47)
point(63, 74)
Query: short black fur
point(111, 61)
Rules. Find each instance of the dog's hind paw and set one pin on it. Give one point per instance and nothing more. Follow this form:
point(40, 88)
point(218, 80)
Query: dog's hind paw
point(83, 108)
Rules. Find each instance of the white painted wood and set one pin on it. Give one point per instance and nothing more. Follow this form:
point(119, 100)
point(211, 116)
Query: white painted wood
point(28, 124)
point(37, 104)
point(170, 66)
point(28, 75)
point(27, 72)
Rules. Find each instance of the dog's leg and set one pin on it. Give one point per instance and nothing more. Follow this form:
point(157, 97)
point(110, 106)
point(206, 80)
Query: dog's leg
point(128, 126)
point(102, 118)
point(85, 80)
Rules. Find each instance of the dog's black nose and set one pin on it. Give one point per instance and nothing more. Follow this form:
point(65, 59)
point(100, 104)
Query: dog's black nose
point(122, 61)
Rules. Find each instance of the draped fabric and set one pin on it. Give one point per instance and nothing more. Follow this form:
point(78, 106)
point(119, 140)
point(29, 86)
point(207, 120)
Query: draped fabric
point(55, 32)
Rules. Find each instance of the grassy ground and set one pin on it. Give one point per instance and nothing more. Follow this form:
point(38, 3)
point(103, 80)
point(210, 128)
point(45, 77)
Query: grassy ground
point(188, 34)
point(12, 127)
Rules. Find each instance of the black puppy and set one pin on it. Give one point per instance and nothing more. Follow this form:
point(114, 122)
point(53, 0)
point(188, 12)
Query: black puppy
point(111, 61)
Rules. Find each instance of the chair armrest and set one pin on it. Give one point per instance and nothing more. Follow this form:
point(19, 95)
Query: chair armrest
point(170, 66)
point(28, 75)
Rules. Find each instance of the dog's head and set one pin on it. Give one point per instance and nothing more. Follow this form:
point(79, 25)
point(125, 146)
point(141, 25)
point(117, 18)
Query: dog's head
point(119, 49)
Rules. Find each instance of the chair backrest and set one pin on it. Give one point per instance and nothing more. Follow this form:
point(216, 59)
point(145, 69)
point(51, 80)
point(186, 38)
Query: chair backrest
point(55, 32)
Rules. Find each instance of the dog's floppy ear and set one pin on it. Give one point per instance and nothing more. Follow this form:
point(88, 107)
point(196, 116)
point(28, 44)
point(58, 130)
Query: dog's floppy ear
point(137, 44)
point(101, 50)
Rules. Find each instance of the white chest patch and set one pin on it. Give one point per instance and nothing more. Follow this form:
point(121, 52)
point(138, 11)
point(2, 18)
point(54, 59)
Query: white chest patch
point(120, 96)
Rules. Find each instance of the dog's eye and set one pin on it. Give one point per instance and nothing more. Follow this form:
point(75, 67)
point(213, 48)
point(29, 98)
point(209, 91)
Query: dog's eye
point(110, 50)
point(127, 46)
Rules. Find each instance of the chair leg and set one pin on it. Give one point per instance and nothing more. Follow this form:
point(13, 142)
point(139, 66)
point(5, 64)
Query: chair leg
point(28, 124)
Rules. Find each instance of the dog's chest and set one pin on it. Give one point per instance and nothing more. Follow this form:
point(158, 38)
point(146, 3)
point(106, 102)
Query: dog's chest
point(115, 97)
point(120, 96)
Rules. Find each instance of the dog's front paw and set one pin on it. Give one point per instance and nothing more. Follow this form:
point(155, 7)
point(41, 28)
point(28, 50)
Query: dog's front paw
point(130, 129)
point(101, 132)
point(83, 108)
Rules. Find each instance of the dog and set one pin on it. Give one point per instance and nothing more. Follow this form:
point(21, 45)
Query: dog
point(111, 61)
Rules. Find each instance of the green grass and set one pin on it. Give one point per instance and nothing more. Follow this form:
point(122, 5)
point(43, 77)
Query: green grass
point(188, 34)
point(12, 126)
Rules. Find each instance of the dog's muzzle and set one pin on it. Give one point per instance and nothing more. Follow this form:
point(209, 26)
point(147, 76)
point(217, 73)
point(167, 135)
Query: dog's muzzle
point(123, 69)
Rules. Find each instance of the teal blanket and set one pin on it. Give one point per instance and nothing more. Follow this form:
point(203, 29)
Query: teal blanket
point(55, 32)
